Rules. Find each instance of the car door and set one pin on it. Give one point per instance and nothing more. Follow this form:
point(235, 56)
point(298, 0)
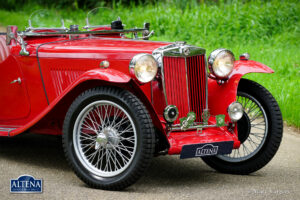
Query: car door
point(14, 102)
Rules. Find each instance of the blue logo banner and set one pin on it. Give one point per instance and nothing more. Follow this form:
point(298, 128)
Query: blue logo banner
point(26, 184)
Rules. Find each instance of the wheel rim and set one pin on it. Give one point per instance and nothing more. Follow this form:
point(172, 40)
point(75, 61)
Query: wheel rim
point(252, 138)
point(104, 138)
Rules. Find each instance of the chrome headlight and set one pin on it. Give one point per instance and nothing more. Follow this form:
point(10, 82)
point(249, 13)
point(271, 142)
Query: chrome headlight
point(235, 111)
point(221, 63)
point(143, 67)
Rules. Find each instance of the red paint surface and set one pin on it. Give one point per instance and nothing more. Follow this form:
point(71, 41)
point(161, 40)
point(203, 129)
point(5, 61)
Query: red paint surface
point(176, 85)
point(67, 64)
point(197, 82)
point(64, 64)
point(178, 139)
point(221, 96)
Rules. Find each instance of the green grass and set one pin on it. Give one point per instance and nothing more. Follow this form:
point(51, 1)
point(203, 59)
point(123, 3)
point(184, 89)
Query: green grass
point(269, 31)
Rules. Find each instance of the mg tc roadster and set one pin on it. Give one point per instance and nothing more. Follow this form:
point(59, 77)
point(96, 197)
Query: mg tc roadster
point(119, 99)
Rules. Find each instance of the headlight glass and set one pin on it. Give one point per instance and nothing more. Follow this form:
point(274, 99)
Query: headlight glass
point(221, 62)
point(235, 111)
point(144, 67)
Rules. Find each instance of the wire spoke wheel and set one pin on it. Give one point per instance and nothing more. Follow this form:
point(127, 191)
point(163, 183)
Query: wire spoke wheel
point(259, 131)
point(105, 138)
point(108, 137)
point(252, 129)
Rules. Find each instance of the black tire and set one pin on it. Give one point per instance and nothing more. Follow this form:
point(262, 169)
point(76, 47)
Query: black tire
point(145, 137)
point(271, 142)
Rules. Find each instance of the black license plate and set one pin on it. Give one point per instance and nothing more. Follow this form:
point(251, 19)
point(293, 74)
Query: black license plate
point(206, 149)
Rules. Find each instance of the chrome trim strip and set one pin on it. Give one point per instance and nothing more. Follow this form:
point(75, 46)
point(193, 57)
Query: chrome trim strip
point(163, 78)
point(32, 34)
point(158, 55)
point(96, 26)
point(43, 28)
point(7, 129)
point(180, 49)
point(178, 128)
point(187, 84)
point(206, 77)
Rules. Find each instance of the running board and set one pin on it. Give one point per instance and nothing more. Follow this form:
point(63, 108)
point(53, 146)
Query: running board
point(4, 131)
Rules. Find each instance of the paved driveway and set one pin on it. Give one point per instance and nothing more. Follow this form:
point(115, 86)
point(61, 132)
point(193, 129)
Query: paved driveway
point(167, 178)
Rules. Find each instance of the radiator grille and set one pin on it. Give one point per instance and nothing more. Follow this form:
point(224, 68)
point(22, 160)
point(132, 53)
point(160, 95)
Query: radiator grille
point(185, 82)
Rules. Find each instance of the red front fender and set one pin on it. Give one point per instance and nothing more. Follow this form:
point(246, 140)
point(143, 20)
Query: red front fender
point(221, 96)
point(106, 75)
point(109, 75)
point(87, 80)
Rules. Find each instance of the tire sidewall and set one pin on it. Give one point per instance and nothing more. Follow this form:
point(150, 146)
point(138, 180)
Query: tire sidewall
point(272, 141)
point(76, 108)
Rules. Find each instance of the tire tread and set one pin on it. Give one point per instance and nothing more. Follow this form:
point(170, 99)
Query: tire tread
point(274, 138)
point(147, 129)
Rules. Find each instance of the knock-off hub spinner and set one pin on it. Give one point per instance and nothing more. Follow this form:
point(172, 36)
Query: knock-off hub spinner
point(107, 138)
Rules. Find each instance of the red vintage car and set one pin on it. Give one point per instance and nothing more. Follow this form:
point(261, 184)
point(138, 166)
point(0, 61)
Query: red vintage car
point(118, 101)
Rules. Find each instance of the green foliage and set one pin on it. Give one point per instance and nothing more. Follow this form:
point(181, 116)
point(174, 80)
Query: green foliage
point(74, 4)
point(268, 30)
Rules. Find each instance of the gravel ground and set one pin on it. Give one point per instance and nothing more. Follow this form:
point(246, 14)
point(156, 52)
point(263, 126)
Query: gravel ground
point(167, 178)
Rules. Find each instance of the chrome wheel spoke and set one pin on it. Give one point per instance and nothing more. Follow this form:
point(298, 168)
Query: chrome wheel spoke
point(126, 131)
point(258, 129)
point(130, 139)
point(85, 151)
point(88, 127)
point(105, 138)
point(120, 123)
point(121, 155)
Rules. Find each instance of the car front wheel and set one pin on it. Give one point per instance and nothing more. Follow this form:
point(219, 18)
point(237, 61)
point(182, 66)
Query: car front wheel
point(259, 131)
point(108, 138)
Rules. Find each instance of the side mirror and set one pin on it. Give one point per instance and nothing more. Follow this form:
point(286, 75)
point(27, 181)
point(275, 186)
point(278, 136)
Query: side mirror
point(11, 35)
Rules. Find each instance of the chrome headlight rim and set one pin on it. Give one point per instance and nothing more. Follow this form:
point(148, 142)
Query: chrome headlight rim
point(133, 63)
point(235, 111)
point(212, 58)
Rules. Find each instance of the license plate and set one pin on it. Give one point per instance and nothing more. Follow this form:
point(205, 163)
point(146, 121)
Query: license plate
point(206, 149)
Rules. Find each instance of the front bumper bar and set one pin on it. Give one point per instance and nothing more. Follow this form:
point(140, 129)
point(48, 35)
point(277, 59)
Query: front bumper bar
point(208, 135)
